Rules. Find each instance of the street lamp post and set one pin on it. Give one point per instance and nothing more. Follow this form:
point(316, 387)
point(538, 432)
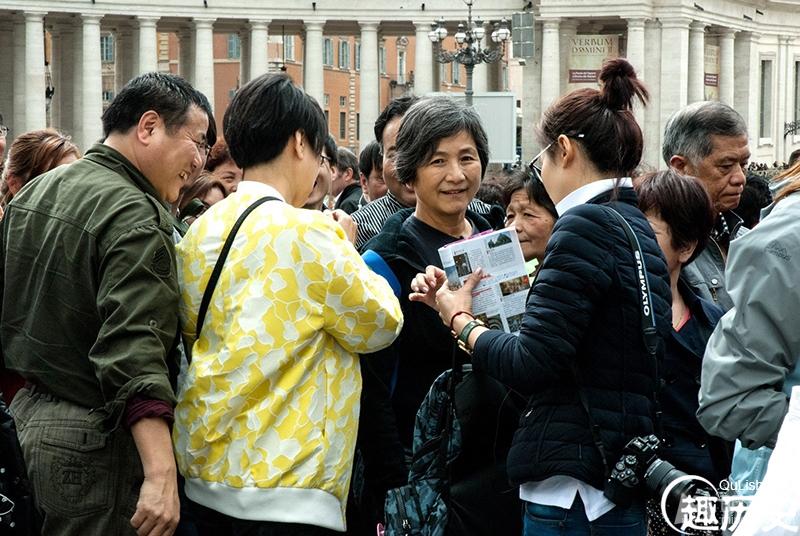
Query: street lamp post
point(468, 38)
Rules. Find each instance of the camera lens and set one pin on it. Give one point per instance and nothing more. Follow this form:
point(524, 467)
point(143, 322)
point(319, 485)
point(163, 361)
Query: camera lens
point(659, 475)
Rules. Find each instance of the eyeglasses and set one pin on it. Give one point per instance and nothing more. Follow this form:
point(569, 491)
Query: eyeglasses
point(535, 170)
point(3, 130)
point(202, 147)
point(323, 159)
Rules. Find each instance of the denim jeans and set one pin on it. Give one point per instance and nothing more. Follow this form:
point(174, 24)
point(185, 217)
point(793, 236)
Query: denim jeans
point(541, 520)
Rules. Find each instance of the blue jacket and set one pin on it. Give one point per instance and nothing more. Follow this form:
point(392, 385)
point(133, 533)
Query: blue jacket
point(582, 326)
point(686, 444)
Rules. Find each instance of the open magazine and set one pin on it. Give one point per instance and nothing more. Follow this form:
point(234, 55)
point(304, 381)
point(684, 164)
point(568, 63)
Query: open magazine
point(499, 299)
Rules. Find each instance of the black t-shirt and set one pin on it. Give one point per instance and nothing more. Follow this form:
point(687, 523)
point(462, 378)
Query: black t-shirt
point(429, 239)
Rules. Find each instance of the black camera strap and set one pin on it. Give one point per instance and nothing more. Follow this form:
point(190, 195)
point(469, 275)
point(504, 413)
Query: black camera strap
point(212, 281)
point(649, 334)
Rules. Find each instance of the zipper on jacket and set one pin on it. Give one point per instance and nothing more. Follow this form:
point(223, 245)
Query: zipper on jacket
point(713, 290)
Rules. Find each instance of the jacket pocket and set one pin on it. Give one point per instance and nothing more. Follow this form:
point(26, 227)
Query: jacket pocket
point(74, 470)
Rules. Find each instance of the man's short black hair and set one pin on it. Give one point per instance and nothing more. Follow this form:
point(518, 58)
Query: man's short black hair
point(330, 150)
point(265, 113)
point(168, 95)
point(755, 196)
point(396, 108)
point(345, 159)
point(370, 158)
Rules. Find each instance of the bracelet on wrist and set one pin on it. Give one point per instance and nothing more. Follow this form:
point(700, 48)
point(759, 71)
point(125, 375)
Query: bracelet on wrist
point(453, 318)
point(463, 337)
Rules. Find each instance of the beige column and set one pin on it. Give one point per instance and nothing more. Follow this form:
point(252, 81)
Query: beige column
point(636, 48)
point(18, 122)
point(65, 90)
point(674, 77)
point(480, 75)
point(259, 57)
point(204, 58)
point(726, 63)
point(370, 90)
point(423, 59)
point(148, 44)
point(186, 54)
point(313, 80)
point(551, 62)
point(7, 66)
point(77, 86)
point(781, 96)
point(568, 30)
point(635, 55)
point(244, 60)
point(123, 57)
point(531, 100)
point(91, 82)
point(697, 61)
point(35, 108)
point(652, 127)
point(746, 81)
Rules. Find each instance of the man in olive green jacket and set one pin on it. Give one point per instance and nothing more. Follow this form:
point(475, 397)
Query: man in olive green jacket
point(89, 315)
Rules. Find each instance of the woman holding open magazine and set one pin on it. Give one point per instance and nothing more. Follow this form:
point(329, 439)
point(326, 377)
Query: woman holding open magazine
point(581, 354)
point(441, 154)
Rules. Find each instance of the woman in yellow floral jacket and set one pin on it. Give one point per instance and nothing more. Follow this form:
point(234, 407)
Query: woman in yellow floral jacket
point(267, 416)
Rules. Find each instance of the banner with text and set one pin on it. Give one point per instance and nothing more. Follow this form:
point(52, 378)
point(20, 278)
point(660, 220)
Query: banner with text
point(711, 78)
point(586, 56)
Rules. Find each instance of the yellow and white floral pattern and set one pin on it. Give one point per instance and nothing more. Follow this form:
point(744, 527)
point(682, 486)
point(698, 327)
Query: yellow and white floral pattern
point(267, 416)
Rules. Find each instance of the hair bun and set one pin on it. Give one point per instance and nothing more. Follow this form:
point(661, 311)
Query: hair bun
point(618, 67)
point(620, 85)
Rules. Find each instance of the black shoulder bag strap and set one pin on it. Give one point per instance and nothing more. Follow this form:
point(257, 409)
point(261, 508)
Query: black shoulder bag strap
point(212, 281)
point(649, 333)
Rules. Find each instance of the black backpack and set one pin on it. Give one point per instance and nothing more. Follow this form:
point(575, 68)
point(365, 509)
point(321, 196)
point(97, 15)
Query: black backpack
point(457, 482)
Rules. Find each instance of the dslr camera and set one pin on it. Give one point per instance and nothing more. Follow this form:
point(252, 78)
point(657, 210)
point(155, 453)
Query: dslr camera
point(640, 464)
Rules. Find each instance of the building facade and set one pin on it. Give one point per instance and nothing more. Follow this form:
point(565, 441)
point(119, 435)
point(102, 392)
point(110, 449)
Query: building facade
point(67, 58)
point(743, 53)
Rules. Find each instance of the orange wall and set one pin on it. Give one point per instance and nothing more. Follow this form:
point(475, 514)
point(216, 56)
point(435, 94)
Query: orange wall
point(338, 82)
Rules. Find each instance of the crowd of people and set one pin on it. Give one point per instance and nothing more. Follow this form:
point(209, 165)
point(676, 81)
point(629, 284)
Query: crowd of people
point(234, 334)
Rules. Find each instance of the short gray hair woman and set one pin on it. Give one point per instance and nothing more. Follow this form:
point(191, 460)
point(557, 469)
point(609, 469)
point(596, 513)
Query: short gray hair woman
point(429, 121)
point(441, 154)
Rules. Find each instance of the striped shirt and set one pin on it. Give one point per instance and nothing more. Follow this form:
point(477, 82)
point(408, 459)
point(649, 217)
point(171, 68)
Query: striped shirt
point(370, 218)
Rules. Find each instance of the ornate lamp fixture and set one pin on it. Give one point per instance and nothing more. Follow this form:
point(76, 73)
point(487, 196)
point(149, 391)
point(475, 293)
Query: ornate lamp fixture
point(469, 37)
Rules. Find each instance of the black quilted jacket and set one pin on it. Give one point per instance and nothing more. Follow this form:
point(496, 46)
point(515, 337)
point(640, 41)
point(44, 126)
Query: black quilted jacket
point(582, 320)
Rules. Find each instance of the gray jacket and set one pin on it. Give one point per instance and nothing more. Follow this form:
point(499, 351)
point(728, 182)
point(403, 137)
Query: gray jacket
point(749, 364)
point(706, 274)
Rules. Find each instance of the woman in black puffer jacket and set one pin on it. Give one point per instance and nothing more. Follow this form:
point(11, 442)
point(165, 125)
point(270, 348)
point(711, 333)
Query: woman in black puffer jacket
point(581, 355)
